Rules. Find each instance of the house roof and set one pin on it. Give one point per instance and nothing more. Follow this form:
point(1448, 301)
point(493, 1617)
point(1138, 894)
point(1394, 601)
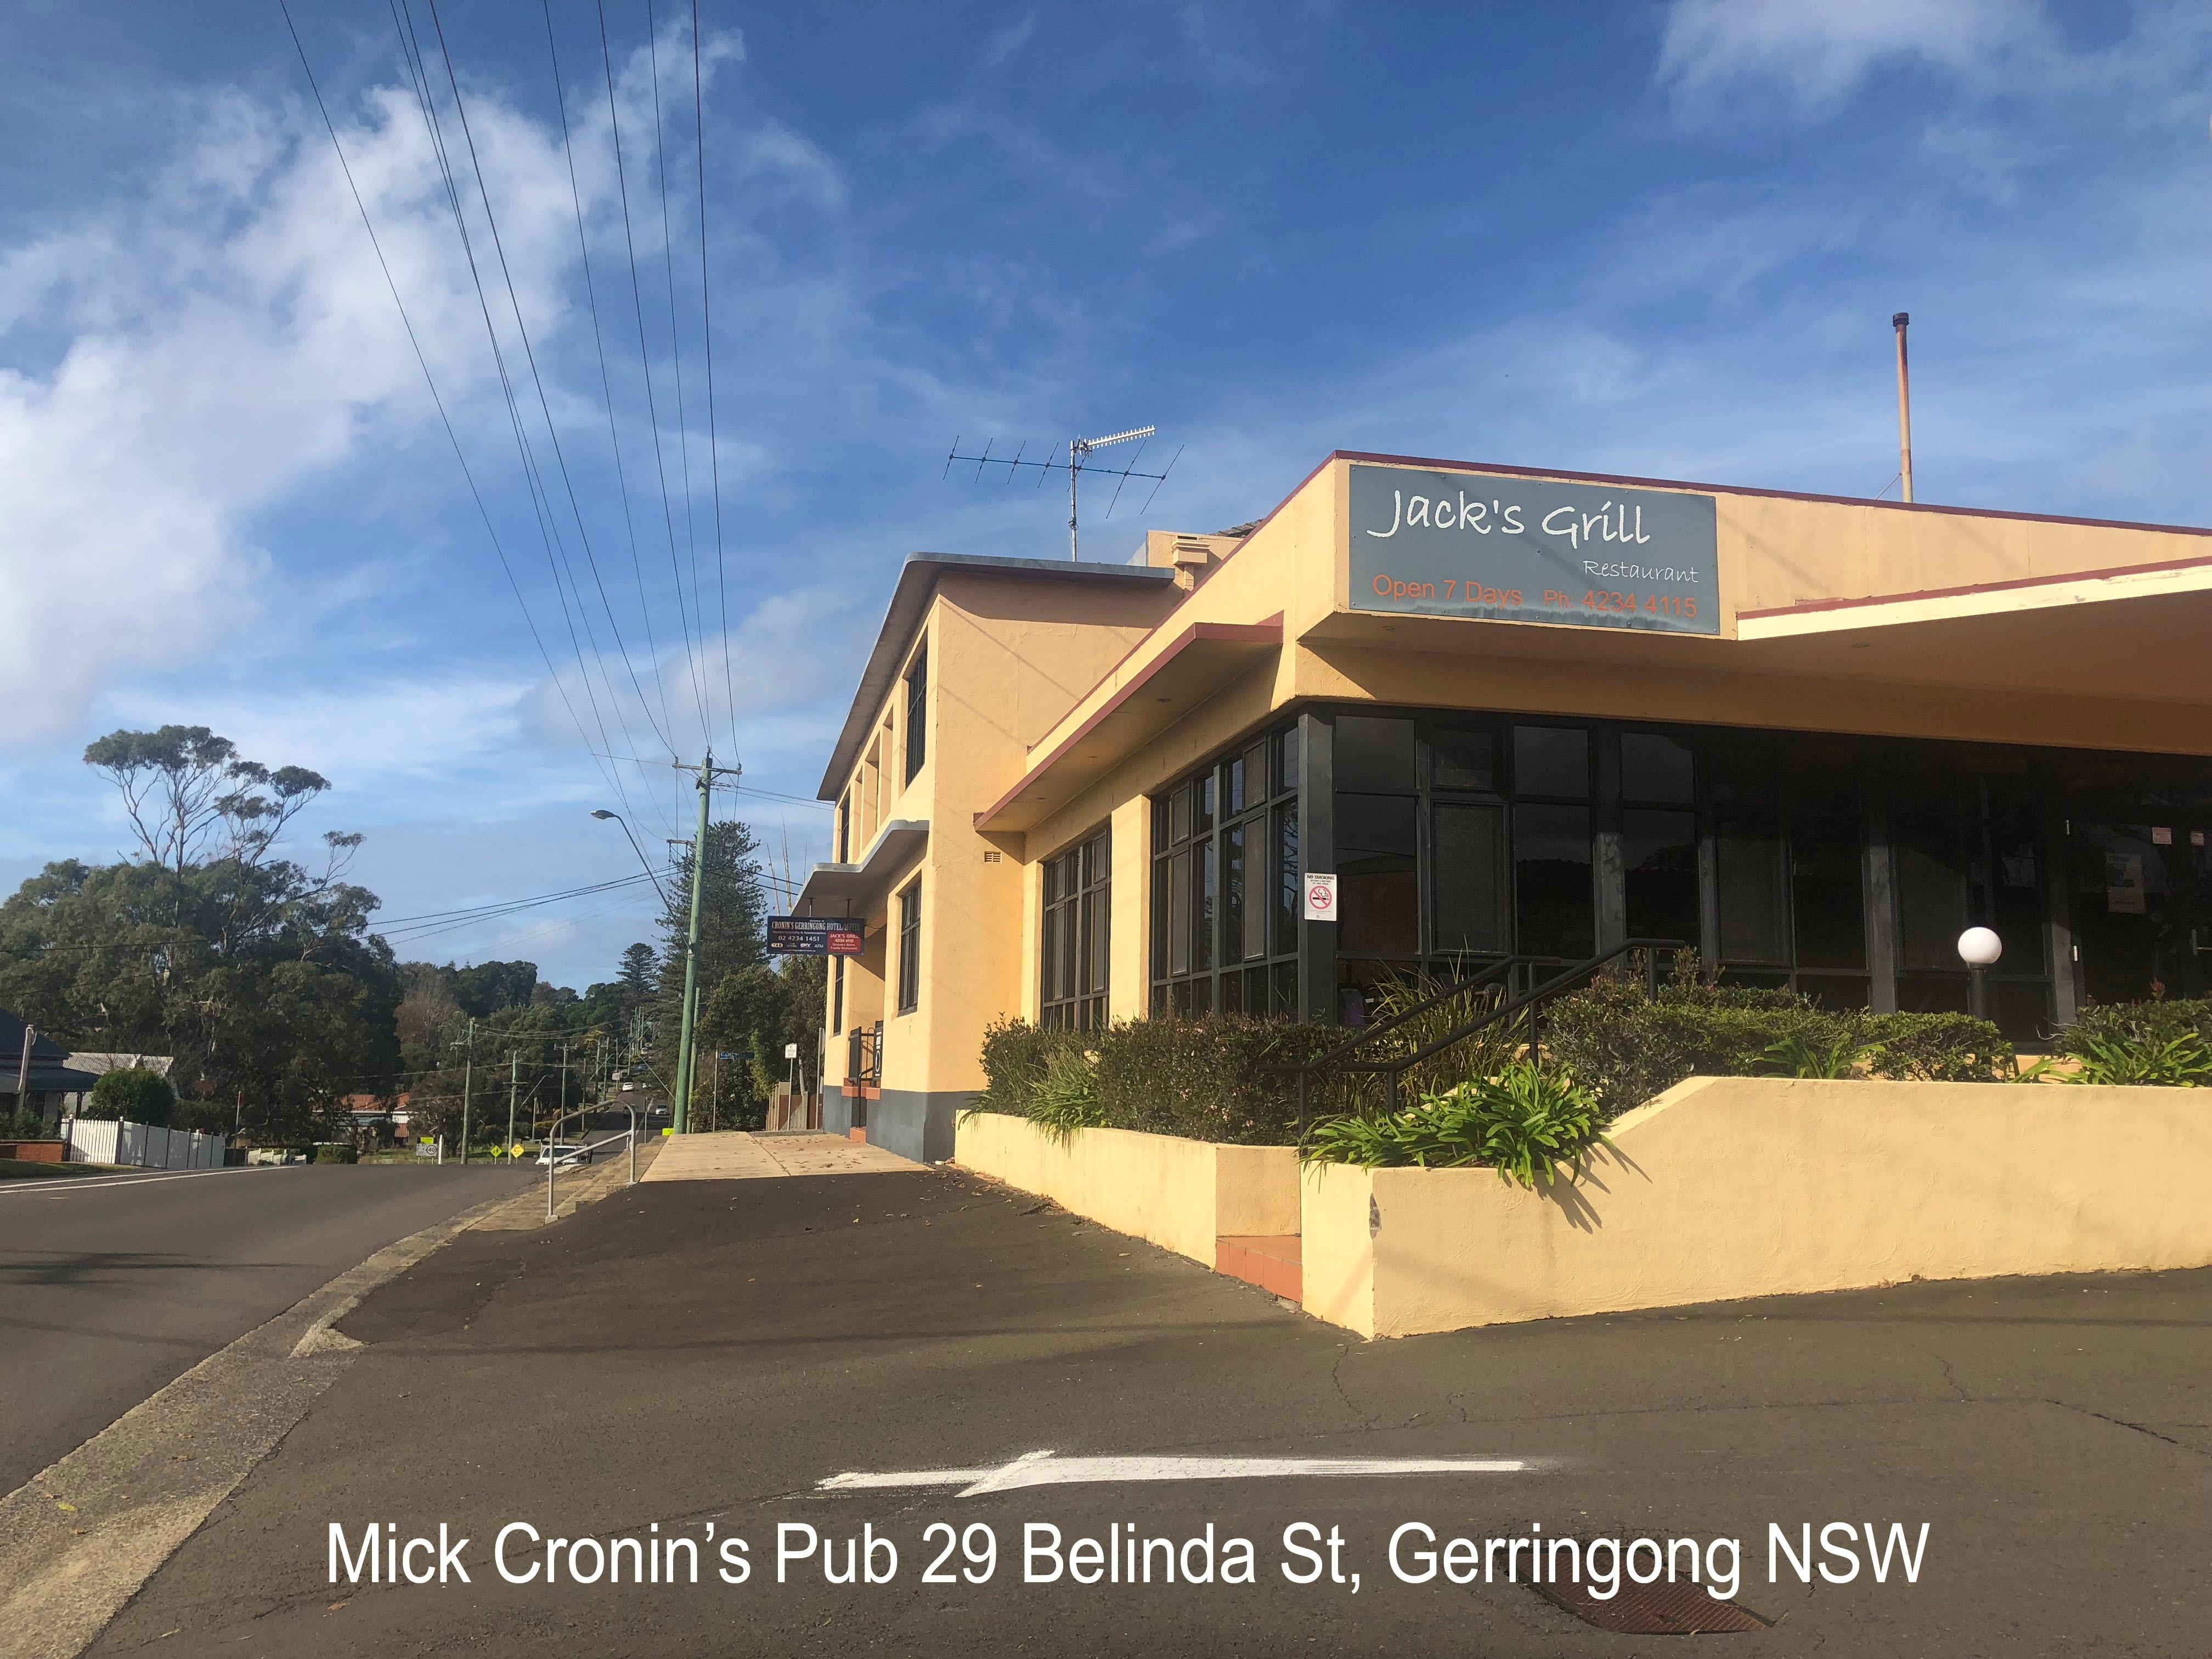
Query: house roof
point(917, 581)
point(43, 1049)
point(100, 1063)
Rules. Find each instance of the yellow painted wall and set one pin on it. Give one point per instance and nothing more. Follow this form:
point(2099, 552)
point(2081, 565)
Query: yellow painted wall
point(1728, 1188)
point(1178, 1194)
point(1007, 656)
point(1129, 958)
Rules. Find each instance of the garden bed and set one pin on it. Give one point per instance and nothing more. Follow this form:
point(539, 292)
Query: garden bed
point(1183, 1195)
point(1728, 1188)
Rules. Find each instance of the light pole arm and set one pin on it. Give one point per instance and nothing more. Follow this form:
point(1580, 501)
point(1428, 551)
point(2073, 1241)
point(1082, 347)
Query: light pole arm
point(601, 812)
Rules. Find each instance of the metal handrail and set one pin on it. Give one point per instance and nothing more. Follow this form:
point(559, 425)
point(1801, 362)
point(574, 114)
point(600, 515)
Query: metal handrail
point(864, 1055)
point(1530, 1001)
point(1503, 966)
point(553, 1136)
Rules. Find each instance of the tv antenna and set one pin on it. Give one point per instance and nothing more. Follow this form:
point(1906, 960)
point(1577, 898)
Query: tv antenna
point(1079, 451)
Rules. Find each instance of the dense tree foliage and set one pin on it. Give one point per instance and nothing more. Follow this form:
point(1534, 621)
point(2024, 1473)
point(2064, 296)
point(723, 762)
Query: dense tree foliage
point(136, 1094)
point(752, 1015)
point(260, 979)
point(260, 976)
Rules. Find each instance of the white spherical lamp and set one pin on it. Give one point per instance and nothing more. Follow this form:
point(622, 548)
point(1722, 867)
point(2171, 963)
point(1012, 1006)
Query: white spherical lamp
point(1980, 947)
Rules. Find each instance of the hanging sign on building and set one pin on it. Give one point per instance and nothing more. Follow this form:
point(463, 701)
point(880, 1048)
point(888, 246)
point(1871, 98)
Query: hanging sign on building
point(814, 936)
point(1522, 549)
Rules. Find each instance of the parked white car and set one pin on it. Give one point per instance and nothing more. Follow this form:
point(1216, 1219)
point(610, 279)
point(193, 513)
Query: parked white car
point(562, 1154)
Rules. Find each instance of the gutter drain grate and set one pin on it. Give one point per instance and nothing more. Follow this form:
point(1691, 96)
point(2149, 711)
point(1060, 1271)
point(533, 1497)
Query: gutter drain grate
point(1678, 1609)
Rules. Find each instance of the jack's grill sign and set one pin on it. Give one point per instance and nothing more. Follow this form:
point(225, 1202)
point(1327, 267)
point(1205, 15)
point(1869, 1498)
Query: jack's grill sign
point(1521, 550)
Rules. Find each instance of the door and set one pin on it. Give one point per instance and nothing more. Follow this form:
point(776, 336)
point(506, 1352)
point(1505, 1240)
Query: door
point(2141, 889)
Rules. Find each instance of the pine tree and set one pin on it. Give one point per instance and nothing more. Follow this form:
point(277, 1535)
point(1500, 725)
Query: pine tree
point(733, 923)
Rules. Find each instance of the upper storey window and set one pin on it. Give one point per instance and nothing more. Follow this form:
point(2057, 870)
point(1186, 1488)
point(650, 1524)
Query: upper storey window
point(917, 704)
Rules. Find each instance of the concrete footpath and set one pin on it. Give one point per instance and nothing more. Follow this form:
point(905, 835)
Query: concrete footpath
point(734, 1157)
point(695, 1359)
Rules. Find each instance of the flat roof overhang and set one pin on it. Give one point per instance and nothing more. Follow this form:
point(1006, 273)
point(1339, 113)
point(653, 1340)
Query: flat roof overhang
point(1199, 661)
point(831, 889)
point(2138, 634)
point(2108, 642)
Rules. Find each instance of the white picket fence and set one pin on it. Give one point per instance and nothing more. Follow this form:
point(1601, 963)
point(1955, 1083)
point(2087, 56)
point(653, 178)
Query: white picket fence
point(144, 1145)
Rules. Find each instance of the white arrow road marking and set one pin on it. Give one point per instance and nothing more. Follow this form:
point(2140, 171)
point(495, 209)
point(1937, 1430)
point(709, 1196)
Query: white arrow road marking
point(1043, 1468)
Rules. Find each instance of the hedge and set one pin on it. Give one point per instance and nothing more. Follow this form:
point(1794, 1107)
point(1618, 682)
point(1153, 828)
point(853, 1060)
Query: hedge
point(1204, 1078)
point(1630, 1047)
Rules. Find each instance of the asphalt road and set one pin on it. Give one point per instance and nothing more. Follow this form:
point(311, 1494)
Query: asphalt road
point(110, 1287)
point(697, 1355)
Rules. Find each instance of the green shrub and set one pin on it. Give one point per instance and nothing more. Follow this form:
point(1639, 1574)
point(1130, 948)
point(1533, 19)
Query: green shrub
point(1936, 1049)
point(29, 1124)
point(1065, 1098)
point(332, 1152)
point(207, 1117)
point(136, 1094)
point(1479, 1055)
point(2160, 1021)
point(2159, 1042)
point(1206, 1079)
point(1015, 1056)
point(1820, 1054)
point(1629, 1045)
point(2181, 1061)
point(1526, 1122)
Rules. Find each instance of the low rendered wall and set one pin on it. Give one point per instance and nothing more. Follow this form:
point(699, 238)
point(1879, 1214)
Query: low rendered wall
point(1179, 1195)
point(1726, 1187)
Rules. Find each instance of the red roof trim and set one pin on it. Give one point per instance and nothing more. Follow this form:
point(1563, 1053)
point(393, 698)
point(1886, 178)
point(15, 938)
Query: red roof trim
point(1267, 632)
point(2010, 583)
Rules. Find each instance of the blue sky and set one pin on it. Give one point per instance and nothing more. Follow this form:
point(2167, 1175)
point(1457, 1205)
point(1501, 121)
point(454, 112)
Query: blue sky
point(1650, 238)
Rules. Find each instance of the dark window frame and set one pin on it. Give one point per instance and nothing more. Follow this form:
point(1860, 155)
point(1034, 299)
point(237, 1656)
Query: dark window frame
point(910, 947)
point(1223, 867)
point(1075, 934)
point(917, 711)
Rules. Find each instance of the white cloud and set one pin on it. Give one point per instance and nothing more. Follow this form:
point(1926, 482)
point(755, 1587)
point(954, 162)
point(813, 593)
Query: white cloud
point(1820, 51)
point(226, 337)
point(1008, 39)
point(176, 364)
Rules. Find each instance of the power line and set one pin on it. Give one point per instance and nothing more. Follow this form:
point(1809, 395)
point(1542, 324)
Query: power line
point(607, 386)
point(511, 904)
point(552, 432)
point(430, 380)
point(514, 939)
point(676, 351)
point(560, 456)
point(540, 499)
point(644, 360)
point(741, 788)
point(707, 338)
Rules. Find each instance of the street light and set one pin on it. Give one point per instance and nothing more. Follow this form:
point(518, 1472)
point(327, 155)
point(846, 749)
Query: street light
point(602, 812)
point(1979, 949)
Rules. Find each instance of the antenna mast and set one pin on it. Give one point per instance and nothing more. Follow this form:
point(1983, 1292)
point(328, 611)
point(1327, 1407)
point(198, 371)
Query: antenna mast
point(1079, 453)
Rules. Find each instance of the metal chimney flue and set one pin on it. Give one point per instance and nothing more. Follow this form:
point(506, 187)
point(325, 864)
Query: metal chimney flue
point(1900, 322)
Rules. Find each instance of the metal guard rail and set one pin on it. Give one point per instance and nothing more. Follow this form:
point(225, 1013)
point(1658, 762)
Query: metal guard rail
point(553, 1138)
point(1530, 1002)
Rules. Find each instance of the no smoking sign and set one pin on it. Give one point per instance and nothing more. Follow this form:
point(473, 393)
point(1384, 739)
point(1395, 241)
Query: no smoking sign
point(1320, 898)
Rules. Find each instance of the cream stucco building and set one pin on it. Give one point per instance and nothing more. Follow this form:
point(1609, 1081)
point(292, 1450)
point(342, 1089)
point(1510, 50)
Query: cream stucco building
point(1524, 714)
